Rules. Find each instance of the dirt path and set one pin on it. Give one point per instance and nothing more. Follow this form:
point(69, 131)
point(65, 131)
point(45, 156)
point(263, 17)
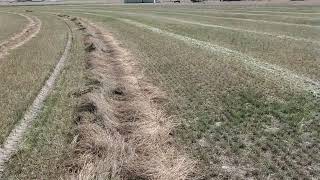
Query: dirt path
point(122, 131)
point(31, 30)
point(15, 138)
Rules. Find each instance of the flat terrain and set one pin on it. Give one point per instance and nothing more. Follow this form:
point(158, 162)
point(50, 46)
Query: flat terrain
point(13, 24)
point(25, 69)
point(239, 85)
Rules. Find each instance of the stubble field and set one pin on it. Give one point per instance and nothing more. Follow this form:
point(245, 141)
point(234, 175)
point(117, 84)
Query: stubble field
point(241, 85)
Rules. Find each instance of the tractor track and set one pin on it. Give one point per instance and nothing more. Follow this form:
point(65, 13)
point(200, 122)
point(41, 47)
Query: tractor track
point(19, 39)
point(276, 72)
point(273, 35)
point(279, 36)
point(15, 138)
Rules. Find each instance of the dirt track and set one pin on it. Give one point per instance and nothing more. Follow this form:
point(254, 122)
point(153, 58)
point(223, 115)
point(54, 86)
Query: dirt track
point(31, 30)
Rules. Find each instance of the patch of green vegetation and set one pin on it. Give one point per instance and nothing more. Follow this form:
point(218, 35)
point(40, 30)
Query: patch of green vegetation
point(254, 131)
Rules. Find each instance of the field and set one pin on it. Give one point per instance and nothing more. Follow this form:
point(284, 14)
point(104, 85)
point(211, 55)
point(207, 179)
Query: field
point(160, 92)
point(13, 24)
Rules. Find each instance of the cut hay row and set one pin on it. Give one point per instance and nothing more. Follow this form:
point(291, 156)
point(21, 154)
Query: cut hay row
point(280, 36)
point(246, 13)
point(224, 27)
point(215, 11)
point(15, 138)
point(30, 31)
point(280, 12)
point(264, 13)
point(246, 19)
point(214, 16)
point(278, 73)
point(295, 80)
point(122, 133)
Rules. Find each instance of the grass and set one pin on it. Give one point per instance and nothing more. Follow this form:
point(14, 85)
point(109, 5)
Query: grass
point(48, 143)
point(216, 15)
point(25, 70)
point(235, 122)
point(297, 56)
point(242, 16)
point(224, 122)
point(238, 22)
point(13, 24)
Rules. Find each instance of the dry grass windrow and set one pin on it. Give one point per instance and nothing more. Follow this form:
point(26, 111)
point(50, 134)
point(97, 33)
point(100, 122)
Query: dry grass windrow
point(122, 133)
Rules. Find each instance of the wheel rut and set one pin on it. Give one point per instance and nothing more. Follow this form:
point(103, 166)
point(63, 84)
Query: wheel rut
point(15, 138)
point(31, 30)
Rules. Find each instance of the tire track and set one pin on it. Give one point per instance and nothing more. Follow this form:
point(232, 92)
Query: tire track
point(279, 36)
point(279, 12)
point(296, 81)
point(282, 74)
point(15, 138)
point(235, 29)
point(214, 17)
point(19, 39)
point(219, 12)
point(248, 20)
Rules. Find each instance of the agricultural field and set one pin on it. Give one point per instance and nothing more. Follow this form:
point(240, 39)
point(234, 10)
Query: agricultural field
point(13, 23)
point(160, 92)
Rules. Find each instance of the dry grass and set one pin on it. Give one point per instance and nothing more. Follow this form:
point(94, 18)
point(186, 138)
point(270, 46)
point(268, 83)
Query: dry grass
point(27, 33)
point(23, 72)
point(235, 122)
point(121, 117)
point(48, 142)
point(13, 24)
point(298, 56)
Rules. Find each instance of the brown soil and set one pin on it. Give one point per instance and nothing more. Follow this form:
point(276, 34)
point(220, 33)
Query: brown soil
point(122, 132)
